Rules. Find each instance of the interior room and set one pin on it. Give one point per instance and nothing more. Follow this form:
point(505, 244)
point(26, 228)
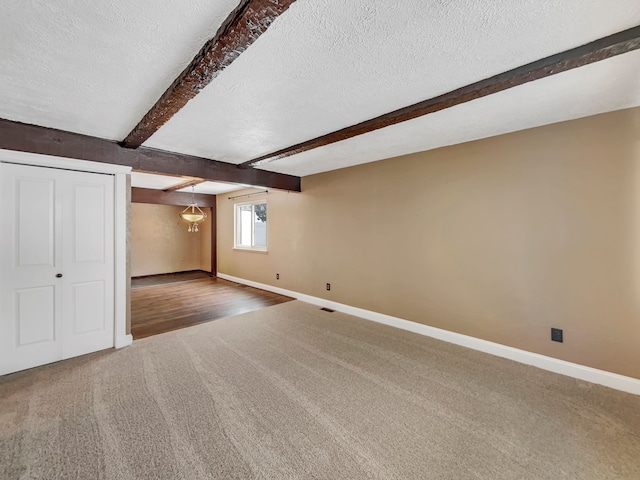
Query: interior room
point(269, 239)
point(172, 259)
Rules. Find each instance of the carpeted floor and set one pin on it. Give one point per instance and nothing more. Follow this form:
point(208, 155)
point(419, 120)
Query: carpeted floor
point(292, 392)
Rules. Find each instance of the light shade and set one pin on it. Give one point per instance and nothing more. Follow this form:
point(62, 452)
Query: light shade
point(193, 215)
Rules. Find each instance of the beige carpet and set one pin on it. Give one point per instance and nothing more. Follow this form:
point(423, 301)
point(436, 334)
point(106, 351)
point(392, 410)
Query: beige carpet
point(291, 392)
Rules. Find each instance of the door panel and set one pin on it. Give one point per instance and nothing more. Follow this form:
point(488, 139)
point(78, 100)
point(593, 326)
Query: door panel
point(88, 307)
point(34, 308)
point(34, 221)
point(88, 223)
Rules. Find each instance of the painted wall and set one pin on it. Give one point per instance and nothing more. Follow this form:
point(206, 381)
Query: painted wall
point(160, 242)
point(501, 239)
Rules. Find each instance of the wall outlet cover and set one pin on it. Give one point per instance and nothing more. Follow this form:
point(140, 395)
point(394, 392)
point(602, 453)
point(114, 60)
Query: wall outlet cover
point(556, 335)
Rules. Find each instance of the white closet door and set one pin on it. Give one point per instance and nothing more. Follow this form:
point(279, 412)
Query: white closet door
point(56, 265)
point(87, 253)
point(30, 257)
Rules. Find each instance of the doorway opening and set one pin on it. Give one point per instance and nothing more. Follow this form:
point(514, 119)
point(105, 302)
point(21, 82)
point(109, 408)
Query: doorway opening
point(174, 267)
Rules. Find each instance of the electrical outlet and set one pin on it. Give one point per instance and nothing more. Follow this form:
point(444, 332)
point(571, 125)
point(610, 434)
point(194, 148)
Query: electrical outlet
point(277, 276)
point(328, 286)
point(556, 335)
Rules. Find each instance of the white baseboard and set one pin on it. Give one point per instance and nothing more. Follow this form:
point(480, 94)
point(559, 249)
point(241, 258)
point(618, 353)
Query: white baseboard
point(124, 340)
point(575, 370)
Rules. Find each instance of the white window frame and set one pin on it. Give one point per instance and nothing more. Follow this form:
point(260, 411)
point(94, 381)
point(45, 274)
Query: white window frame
point(236, 231)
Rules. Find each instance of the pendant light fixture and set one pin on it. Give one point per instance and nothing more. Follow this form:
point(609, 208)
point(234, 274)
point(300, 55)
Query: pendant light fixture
point(193, 214)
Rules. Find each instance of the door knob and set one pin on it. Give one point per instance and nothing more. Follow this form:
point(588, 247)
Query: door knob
point(58, 275)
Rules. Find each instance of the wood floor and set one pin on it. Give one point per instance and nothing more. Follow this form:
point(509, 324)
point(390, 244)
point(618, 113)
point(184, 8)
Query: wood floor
point(149, 280)
point(184, 301)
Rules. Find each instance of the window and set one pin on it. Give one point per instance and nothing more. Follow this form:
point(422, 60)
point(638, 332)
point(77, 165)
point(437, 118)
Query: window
point(251, 225)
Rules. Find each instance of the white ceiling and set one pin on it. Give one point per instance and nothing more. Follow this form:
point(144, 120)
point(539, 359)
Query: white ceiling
point(97, 67)
point(162, 182)
point(214, 188)
point(612, 84)
point(323, 65)
point(155, 182)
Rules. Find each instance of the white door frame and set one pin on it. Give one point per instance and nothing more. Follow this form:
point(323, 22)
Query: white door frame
point(120, 173)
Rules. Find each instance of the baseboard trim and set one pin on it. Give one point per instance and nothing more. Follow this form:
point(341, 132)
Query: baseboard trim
point(123, 341)
point(168, 273)
point(575, 370)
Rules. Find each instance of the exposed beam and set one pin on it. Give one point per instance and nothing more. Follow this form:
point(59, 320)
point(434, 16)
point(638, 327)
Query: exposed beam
point(48, 141)
point(242, 27)
point(601, 49)
point(188, 183)
point(160, 197)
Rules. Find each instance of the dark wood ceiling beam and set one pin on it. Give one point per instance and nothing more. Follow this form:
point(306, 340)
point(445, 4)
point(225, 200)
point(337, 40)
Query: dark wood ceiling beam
point(596, 51)
point(243, 26)
point(188, 183)
point(48, 141)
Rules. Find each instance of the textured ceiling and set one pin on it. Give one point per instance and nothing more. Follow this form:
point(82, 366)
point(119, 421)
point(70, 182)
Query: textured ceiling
point(96, 67)
point(612, 84)
point(162, 182)
point(156, 182)
point(328, 65)
point(214, 188)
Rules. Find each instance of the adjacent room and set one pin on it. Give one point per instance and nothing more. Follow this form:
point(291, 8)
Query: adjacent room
point(291, 239)
point(173, 257)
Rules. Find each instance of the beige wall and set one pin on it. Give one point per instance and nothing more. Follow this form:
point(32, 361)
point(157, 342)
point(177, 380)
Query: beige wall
point(501, 239)
point(160, 242)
